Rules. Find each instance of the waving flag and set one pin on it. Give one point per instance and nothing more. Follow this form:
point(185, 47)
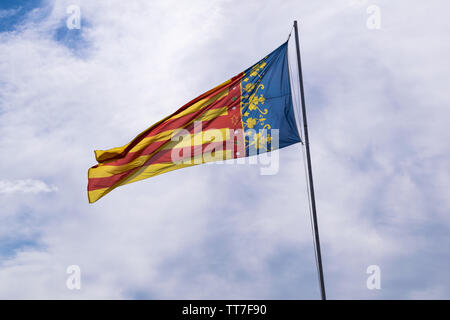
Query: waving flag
point(249, 114)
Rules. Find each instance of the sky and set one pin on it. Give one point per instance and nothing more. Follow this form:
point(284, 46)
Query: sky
point(378, 114)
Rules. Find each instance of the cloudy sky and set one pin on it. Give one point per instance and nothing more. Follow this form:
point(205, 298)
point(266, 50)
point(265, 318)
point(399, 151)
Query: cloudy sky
point(379, 112)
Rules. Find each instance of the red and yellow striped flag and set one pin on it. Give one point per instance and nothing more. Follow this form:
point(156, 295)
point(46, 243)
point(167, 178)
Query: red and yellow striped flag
point(218, 125)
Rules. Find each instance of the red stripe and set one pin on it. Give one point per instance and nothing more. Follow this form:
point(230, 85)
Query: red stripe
point(181, 121)
point(163, 156)
point(221, 122)
point(161, 125)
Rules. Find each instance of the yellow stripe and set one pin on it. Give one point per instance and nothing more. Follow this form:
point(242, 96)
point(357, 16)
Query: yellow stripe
point(196, 139)
point(201, 104)
point(94, 195)
point(155, 169)
point(101, 155)
point(207, 136)
point(147, 172)
point(165, 135)
point(151, 170)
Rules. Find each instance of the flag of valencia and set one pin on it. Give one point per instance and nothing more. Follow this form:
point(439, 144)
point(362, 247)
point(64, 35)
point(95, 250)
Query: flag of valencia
point(249, 114)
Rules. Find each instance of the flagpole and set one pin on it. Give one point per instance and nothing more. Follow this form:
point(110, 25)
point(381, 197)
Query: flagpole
point(308, 158)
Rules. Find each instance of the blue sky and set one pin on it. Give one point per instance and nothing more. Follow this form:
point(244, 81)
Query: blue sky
point(378, 114)
point(14, 13)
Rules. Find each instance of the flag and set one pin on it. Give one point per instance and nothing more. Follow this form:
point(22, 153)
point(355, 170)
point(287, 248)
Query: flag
point(249, 114)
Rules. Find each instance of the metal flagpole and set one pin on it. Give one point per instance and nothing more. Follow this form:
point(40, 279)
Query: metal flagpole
point(308, 158)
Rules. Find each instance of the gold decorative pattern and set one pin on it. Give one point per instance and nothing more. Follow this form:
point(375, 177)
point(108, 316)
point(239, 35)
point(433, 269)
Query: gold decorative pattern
point(253, 108)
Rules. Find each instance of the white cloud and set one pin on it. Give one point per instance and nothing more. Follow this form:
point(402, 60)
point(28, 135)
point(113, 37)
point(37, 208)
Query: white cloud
point(25, 186)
